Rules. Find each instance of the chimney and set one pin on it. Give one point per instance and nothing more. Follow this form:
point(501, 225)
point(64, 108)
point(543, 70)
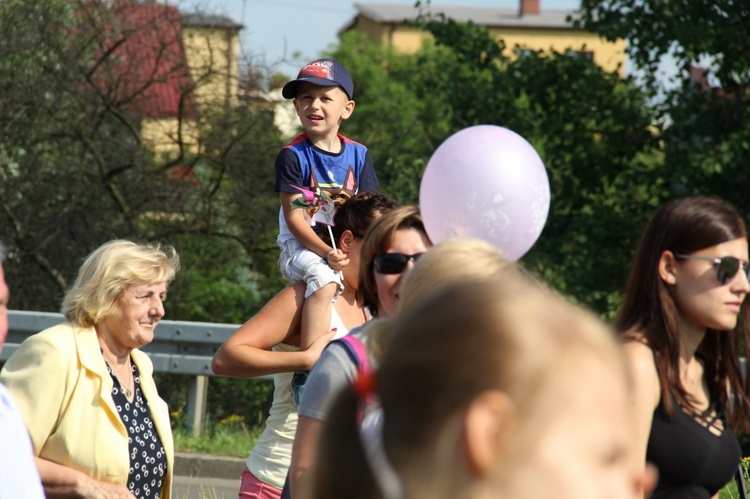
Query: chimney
point(529, 7)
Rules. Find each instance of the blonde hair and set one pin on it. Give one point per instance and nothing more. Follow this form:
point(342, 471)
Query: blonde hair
point(447, 349)
point(504, 335)
point(111, 268)
point(448, 262)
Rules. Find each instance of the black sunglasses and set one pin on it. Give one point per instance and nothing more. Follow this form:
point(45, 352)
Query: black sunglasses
point(393, 263)
point(726, 266)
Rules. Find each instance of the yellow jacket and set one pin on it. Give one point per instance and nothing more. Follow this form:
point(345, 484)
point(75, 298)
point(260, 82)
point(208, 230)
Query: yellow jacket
point(60, 383)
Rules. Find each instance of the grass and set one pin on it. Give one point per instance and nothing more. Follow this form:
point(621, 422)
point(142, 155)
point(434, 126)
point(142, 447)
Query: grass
point(730, 491)
point(228, 437)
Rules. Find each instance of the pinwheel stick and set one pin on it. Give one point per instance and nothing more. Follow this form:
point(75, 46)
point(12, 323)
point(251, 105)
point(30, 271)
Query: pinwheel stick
point(333, 245)
point(333, 241)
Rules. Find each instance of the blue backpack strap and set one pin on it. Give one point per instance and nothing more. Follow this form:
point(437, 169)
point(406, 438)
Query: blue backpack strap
point(356, 350)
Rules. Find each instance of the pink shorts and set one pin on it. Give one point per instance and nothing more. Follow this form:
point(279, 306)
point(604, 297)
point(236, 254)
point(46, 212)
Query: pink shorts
point(252, 488)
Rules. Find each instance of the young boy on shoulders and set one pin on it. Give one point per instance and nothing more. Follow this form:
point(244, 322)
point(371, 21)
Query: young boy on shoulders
point(319, 158)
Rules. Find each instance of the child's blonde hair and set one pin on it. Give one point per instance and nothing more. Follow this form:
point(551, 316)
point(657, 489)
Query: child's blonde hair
point(448, 262)
point(474, 336)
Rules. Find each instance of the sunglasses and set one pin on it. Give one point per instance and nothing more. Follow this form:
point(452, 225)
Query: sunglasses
point(393, 263)
point(726, 266)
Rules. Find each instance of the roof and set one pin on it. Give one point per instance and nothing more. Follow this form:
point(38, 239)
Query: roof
point(481, 16)
point(147, 69)
point(209, 21)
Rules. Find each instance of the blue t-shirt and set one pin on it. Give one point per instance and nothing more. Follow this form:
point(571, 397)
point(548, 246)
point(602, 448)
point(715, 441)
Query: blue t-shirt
point(302, 164)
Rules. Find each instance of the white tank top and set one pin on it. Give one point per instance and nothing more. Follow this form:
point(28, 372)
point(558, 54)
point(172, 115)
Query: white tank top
point(271, 457)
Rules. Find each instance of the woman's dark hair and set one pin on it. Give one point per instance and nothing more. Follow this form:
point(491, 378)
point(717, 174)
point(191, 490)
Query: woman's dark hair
point(357, 213)
point(684, 225)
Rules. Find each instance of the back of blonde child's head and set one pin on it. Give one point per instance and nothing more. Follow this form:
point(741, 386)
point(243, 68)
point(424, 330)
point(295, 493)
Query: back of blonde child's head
point(504, 335)
point(451, 261)
point(446, 263)
point(472, 324)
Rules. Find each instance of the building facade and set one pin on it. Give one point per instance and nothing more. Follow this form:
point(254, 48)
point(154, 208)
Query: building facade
point(526, 28)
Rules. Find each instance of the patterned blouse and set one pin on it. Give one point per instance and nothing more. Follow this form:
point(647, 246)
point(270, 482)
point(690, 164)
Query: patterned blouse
point(148, 461)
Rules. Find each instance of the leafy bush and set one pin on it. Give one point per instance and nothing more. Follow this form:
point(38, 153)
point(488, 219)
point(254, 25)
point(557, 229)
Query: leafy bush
point(227, 397)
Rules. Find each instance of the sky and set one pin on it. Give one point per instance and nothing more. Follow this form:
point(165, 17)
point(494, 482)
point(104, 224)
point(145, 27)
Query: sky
point(276, 29)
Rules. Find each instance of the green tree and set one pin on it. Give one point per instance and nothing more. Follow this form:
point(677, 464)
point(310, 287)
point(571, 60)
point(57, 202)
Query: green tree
point(685, 30)
point(706, 122)
point(389, 115)
point(75, 170)
point(592, 129)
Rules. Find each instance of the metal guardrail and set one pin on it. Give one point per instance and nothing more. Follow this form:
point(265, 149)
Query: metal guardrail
point(178, 347)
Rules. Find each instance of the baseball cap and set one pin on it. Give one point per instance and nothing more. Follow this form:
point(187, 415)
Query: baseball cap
point(325, 72)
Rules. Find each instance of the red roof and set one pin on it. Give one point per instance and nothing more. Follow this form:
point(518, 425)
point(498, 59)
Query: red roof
point(143, 64)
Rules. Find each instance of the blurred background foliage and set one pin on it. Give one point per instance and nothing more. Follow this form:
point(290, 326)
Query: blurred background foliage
point(74, 171)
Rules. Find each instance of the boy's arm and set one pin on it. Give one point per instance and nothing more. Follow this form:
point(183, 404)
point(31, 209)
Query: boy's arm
point(300, 228)
point(288, 174)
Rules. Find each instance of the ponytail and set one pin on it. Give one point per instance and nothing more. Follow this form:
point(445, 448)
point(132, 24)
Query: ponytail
point(341, 468)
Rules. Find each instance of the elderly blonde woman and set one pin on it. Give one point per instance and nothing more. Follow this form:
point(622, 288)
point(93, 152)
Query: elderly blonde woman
point(86, 391)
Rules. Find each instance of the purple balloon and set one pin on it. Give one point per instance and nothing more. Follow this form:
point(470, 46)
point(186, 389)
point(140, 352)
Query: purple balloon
point(486, 182)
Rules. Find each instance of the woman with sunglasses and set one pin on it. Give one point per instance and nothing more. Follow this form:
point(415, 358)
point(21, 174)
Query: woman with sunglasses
point(268, 343)
point(680, 321)
point(390, 247)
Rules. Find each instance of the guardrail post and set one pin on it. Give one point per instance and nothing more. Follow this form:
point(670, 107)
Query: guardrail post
point(196, 411)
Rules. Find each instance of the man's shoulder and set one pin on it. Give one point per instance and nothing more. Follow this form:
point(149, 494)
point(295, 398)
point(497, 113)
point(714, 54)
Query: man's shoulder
point(6, 402)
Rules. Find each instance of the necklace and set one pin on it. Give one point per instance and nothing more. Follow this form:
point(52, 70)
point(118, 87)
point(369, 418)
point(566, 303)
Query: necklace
point(127, 391)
